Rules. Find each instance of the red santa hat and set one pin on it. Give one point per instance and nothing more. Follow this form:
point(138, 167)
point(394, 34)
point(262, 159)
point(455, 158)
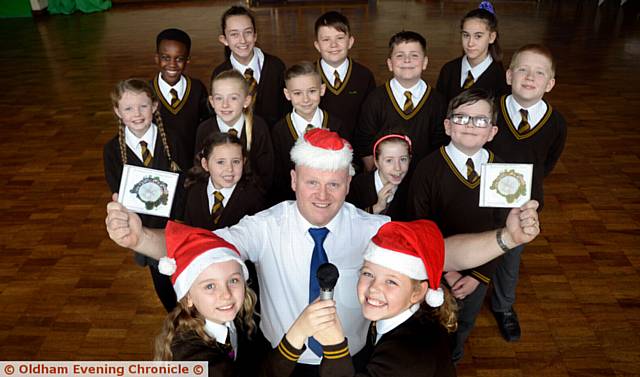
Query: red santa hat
point(323, 149)
point(190, 251)
point(415, 249)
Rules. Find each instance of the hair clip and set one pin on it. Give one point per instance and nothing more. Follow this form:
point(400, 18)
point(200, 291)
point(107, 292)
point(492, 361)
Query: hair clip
point(486, 5)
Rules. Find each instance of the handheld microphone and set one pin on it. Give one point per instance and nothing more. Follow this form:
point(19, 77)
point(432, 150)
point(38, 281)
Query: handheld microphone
point(327, 276)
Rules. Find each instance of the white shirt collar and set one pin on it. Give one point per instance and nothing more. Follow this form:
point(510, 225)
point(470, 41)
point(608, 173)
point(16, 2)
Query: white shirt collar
point(133, 142)
point(226, 193)
point(238, 125)
point(300, 124)
point(475, 71)
point(219, 333)
point(377, 179)
point(256, 64)
point(304, 224)
point(180, 87)
point(459, 159)
point(535, 112)
point(417, 91)
point(383, 326)
point(328, 70)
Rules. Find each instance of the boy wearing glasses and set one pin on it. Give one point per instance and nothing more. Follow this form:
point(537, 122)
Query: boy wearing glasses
point(532, 132)
point(404, 102)
point(445, 188)
point(183, 100)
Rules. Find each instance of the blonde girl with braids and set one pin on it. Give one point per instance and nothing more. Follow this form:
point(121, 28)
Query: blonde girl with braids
point(214, 319)
point(411, 314)
point(231, 102)
point(142, 141)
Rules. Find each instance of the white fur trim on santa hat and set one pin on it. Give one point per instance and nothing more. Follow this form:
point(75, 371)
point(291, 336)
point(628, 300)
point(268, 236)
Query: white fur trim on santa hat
point(189, 275)
point(406, 264)
point(435, 298)
point(303, 153)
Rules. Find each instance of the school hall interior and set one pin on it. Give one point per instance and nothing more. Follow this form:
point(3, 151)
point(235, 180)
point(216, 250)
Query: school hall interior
point(67, 292)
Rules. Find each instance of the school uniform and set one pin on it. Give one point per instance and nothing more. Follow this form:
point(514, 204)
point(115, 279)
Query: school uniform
point(363, 193)
point(345, 100)
point(244, 199)
point(382, 112)
point(284, 136)
point(488, 75)
point(241, 357)
point(541, 146)
point(182, 119)
point(441, 191)
point(270, 103)
point(113, 174)
point(411, 345)
point(260, 155)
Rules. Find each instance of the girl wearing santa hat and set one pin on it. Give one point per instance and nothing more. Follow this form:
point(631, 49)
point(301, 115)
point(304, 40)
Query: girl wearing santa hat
point(411, 315)
point(214, 318)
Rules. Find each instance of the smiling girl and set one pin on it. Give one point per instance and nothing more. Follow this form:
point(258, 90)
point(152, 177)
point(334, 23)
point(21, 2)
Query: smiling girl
point(381, 191)
point(481, 64)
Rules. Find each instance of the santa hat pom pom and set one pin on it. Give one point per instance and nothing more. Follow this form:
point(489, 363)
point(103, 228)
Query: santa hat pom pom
point(435, 297)
point(167, 266)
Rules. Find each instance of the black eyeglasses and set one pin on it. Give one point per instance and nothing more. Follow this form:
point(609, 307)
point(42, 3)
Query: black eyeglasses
point(464, 119)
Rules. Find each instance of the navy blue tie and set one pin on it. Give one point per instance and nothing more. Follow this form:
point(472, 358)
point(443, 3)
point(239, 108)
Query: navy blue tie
point(318, 258)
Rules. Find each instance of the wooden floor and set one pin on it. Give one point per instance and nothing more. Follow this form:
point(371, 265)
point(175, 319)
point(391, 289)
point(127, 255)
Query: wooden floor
point(67, 292)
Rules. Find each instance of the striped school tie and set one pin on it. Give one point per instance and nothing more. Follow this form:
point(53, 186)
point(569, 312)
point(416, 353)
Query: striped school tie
point(147, 158)
point(408, 103)
point(253, 84)
point(524, 125)
point(174, 97)
point(308, 128)
point(233, 132)
point(469, 81)
point(336, 82)
point(373, 333)
point(472, 175)
point(216, 210)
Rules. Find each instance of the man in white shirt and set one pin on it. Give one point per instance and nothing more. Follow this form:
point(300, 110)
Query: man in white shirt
point(278, 240)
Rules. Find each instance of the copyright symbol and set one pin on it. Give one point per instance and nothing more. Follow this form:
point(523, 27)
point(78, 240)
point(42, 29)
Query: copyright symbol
point(9, 369)
point(198, 369)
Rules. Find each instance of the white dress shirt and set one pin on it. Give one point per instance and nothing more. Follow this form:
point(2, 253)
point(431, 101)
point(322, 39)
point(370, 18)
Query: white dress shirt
point(133, 142)
point(377, 180)
point(459, 159)
point(277, 240)
point(238, 125)
point(256, 64)
point(417, 91)
point(226, 193)
point(300, 124)
point(165, 88)
point(219, 333)
point(475, 71)
point(329, 70)
point(535, 115)
point(383, 326)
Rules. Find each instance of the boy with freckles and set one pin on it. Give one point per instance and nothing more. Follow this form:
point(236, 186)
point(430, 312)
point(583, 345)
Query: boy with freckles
point(531, 131)
point(183, 100)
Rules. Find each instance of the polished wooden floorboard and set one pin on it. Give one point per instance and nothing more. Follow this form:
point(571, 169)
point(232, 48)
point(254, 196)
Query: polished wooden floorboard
point(67, 292)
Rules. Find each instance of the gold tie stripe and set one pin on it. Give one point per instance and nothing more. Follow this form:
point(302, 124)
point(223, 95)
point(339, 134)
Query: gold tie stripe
point(408, 103)
point(216, 210)
point(336, 82)
point(253, 84)
point(174, 97)
point(524, 125)
point(472, 175)
point(147, 158)
point(469, 81)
